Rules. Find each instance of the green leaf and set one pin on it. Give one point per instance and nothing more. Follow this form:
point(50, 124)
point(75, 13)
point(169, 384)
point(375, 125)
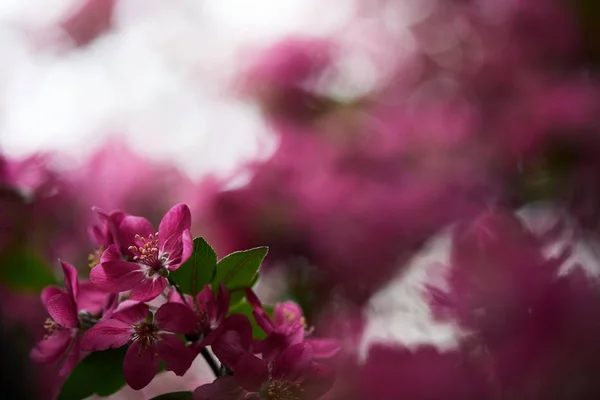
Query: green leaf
point(198, 270)
point(245, 308)
point(239, 269)
point(100, 373)
point(22, 269)
point(238, 294)
point(174, 396)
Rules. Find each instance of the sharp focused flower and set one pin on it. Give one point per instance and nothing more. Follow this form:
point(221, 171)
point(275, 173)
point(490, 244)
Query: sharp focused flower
point(154, 255)
point(150, 338)
point(292, 375)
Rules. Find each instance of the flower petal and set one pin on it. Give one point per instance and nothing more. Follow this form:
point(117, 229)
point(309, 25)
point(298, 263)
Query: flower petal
point(228, 348)
point(173, 351)
point(319, 379)
point(72, 358)
point(175, 318)
point(131, 226)
point(51, 350)
point(110, 254)
point(139, 366)
point(117, 276)
point(175, 297)
point(111, 333)
point(91, 298)
point(293, 362)
point(149, 289)
point(251, 372)
point(131, 312)
point(70, 278)
point(63, 310)
point(48, 293)
point(177, 220)
point(224, 388)
point(323, 348)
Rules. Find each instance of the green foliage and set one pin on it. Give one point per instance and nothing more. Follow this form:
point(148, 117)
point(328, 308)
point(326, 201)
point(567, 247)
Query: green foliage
point(21, 269)
point(100, 373)
point(245, 308)
point(174, 396)
point(240, 269)
point(198, 271)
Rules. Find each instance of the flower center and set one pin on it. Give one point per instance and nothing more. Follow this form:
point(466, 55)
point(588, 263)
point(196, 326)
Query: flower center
point(51, 326)
point(147, 334)
point(283, 390)
point(147, 251)
point(94, 258)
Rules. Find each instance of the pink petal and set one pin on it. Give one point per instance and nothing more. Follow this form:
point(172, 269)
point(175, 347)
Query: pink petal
point(228, 348)
point(175, 297)
point(175, 318)
point(319, 379)
point(50, 351)
point(63, 310)
point(131, 312)
point(188, 246)
point(149, 289)
point(253, 299)
point(70, 278)
point(48, 293)
point(293, 362)
point(117, 276)
point(323, 348)
point(173, 351)
point(177, 220)
point(131, 226)
point(263, 320)
point(139, 367)
point(110, 333)
point(91, 299)
point(251, 372)
point(111, 253)
point(72, 358)
point(224, 388)
point(222, 304)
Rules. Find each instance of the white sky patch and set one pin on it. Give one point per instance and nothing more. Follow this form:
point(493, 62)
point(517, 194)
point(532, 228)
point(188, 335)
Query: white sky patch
point(159, 79)
point(399, 314)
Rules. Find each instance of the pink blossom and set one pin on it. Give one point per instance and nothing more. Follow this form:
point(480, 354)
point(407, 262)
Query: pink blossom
point(150, 339)
point(286, 330)
point(292, 375)
point(154, 255)
point(210, 310)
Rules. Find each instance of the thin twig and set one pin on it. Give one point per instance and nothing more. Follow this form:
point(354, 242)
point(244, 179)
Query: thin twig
point(211, 362)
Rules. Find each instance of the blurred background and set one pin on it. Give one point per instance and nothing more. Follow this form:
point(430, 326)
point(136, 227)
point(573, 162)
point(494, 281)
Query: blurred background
point(425, 173)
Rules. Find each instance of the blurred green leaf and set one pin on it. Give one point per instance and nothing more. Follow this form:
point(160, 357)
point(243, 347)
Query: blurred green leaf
point(22, 269)
point(239, 269)
point(174, 396)
point(245, 308)
point(100, 373)
point(198, 270)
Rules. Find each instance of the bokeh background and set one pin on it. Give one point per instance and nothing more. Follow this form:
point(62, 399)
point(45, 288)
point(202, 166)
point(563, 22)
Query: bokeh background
point(425, 173)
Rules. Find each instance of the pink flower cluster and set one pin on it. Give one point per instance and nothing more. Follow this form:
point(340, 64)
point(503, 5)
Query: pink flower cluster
point(121, 305)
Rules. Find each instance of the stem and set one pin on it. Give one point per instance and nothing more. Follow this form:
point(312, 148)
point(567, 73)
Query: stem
point(211, 362)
